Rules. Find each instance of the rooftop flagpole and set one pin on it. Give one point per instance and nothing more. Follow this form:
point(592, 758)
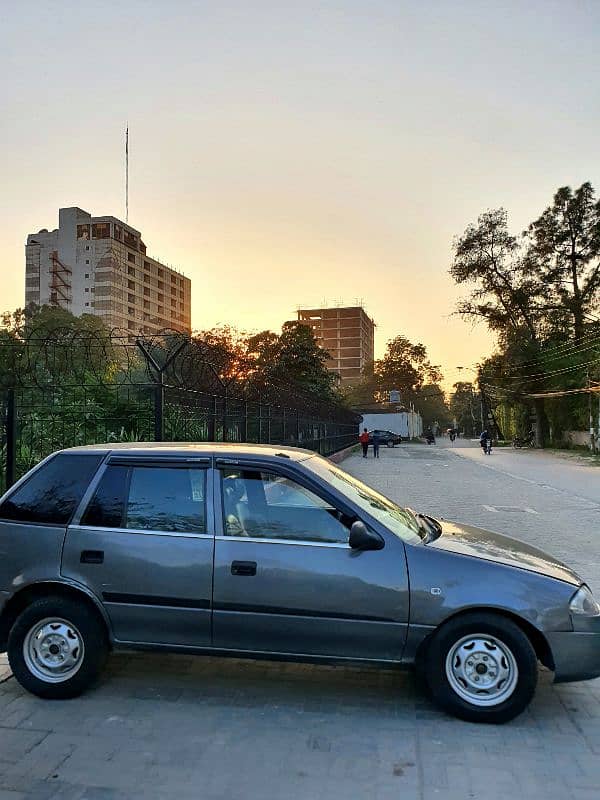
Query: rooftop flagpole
point(127, 173)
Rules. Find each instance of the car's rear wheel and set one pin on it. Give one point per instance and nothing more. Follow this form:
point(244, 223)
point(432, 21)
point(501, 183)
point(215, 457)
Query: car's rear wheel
point(57, 647)
point(482, 668)
point(390, 443)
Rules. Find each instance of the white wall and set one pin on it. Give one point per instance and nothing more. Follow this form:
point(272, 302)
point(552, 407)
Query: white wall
point(406, 423)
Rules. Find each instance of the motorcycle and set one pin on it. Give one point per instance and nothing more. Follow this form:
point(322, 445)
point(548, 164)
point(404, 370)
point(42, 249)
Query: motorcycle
point(430, 438)
point(524, 441)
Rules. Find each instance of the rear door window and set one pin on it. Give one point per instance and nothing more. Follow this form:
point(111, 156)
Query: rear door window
point(150, 498)
point(54, 491)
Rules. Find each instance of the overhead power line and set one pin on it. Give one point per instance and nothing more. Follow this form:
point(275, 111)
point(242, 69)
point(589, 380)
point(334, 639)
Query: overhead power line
point(587, 390)
point(561, 351)
point(499, 393)
point(534, 377)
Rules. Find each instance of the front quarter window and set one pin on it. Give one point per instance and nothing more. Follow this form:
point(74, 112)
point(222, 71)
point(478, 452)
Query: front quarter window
point(53, 491)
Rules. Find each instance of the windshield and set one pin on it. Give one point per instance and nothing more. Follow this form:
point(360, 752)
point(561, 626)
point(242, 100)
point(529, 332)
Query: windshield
point(398, 520)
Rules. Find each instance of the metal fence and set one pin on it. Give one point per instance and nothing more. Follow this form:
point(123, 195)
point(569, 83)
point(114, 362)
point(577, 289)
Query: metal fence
point(44, 411)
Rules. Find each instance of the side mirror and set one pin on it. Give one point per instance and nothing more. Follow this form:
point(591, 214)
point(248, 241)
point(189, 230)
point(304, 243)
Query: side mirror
point(361, 538)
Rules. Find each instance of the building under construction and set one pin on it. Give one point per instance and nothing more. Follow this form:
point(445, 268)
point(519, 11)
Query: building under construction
point(99, 265)
point(347, 334)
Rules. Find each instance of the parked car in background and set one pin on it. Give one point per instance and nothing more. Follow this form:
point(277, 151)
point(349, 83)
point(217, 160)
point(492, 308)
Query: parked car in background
point(388, 438)
point(269, 552)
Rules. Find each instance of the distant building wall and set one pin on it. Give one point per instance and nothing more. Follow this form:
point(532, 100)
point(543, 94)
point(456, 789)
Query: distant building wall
point(99, 265)
point(406, 423)
point(347, 334)
point(577, 438)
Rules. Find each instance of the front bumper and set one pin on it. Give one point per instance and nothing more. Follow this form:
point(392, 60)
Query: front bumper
point(576, 653)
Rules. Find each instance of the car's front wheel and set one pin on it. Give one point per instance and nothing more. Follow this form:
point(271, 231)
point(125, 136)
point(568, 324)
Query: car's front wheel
point(57, 647)
point(482, 668)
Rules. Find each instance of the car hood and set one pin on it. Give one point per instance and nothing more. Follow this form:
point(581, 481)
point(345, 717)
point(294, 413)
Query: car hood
point(470, 541)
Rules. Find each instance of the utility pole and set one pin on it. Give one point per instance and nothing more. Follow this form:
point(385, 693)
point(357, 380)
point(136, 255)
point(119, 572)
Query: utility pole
point(590, 412)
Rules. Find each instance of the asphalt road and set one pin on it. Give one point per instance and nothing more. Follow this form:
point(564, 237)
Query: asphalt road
point(163, 727)
point(561, 472)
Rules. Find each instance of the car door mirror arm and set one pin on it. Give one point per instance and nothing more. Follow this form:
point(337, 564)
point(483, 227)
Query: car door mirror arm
point(362, 538)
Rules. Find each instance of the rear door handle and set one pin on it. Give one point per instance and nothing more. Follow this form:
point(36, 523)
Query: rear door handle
point(92, 557)
point(243, 567)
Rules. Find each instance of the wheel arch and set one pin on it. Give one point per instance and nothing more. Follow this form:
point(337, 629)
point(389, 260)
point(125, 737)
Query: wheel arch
point(538, 641)
point(35, 591)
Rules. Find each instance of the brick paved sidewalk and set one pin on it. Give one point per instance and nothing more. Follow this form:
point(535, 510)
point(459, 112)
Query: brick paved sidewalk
point(162, 727)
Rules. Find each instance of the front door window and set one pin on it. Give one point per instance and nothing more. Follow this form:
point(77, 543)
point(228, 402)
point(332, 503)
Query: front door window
point(262, 504)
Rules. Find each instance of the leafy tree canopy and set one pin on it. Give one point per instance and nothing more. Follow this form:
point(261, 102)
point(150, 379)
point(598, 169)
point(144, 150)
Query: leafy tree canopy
point(404, 367)
point(540, 293)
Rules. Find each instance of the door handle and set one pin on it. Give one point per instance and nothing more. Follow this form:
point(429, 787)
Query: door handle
point(243, 567)
point(92, 557)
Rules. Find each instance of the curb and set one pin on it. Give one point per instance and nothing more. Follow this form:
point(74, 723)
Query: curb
point(336, 458)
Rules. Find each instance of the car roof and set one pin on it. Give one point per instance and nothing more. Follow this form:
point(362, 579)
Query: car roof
point(224, 449)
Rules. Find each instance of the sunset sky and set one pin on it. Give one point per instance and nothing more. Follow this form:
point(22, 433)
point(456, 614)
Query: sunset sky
point(286, 153)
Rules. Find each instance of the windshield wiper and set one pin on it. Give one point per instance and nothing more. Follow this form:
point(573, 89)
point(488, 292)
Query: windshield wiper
point(429, 526)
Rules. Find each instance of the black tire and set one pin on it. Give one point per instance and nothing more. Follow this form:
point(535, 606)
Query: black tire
point(505, 632)
point(88, 625)
point(390, 443)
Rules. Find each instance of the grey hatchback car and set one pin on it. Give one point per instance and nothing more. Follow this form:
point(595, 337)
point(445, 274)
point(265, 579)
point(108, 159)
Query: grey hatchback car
point(270, 552)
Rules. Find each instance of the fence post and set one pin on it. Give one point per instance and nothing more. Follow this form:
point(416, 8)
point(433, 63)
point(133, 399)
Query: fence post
point(298, 426)
point(11, 437)
point(159, 408)
point(212, 421)
point(225, 432)
point(269, 425)
point(245, 423)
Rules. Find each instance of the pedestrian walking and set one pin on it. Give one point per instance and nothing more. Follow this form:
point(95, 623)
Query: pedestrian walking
point(376, 443)
point(364, 441)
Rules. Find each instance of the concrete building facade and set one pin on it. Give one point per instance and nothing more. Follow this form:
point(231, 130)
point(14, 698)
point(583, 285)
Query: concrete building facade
point(348, 335)
point(99, 265)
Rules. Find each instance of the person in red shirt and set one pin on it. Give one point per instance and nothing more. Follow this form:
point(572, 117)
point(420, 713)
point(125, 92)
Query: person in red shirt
point(364, 440)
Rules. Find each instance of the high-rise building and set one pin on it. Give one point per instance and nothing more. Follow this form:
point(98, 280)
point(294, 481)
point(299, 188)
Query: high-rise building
point(348, 335)
point(99, 265)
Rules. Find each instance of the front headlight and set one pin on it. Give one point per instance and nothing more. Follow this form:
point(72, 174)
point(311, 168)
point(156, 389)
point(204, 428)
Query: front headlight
point(583, 602)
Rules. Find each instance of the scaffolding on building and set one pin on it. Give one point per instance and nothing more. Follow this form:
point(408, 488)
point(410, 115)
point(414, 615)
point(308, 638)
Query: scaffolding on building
point(60, 282)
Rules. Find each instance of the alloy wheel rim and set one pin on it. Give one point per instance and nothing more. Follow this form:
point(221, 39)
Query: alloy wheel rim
point(53, 650)
point(482, 670)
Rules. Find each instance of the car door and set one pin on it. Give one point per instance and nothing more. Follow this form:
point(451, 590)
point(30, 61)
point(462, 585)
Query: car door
point(143, 543)
point(286, 580)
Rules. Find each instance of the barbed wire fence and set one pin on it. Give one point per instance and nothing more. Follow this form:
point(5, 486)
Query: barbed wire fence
point(63, 387)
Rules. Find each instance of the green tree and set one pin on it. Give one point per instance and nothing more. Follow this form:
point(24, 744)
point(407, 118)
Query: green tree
point(538, 293)
point(404, 367)
point(57, 347)
point(564, 251)
point(297, 357)
point(431, 404)
point(463, 406)
point(506, 295)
